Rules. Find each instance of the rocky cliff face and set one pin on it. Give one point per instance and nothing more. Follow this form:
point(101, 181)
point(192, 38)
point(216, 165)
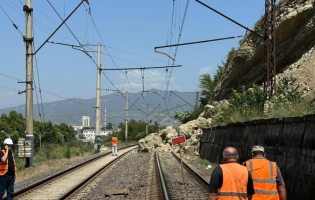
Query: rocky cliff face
point(295, 41)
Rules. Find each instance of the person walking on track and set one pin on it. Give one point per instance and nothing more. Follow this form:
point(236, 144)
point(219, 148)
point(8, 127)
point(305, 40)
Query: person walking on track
point(230, 181)
point(99, 144)
point(114, 145)
point(7, 170)
point(267, 177)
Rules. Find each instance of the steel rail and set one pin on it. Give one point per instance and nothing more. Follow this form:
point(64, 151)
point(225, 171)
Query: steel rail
point(91, 178)
point(55, 176)
point(165, 194)
point(203, 180)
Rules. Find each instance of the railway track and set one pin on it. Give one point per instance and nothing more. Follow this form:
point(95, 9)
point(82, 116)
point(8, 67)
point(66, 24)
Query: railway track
point(171, 182)
point(62, 185)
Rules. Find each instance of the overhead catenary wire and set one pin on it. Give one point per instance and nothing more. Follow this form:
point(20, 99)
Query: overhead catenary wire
point(14, 25)
point(235, 22)
point(40, 92)
point(106, 47)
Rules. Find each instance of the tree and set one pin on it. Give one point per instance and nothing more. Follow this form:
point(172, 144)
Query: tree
point(109, 125)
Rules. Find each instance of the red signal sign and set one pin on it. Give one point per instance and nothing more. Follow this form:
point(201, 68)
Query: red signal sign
point(178, 140)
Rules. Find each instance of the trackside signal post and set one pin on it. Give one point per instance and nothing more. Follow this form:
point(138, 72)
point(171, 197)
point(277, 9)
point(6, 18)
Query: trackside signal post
point(178, 141)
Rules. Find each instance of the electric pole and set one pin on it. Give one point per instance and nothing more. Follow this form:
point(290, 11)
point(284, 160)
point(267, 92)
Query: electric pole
point(105, 119)
point(29, 80)
point(146, 127)
point(126, 125)
point(98, 95)
point(159, 123)
point(197, 100)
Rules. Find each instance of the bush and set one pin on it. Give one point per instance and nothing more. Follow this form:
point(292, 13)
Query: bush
point(67, 153)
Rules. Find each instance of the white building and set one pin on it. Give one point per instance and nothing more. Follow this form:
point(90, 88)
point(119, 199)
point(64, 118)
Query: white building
point(86, 121)
point(90, 133)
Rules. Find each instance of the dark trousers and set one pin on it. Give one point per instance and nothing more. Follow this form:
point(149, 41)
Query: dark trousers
point(7, 183)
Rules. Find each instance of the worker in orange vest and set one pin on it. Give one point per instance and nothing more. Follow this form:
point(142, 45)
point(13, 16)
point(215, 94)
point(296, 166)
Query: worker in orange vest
point(7, 170)
point(230, 181)
point(114, 145)
point(267, 178)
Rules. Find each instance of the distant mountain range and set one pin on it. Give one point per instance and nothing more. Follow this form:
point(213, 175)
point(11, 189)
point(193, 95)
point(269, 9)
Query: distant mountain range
point(71, 111)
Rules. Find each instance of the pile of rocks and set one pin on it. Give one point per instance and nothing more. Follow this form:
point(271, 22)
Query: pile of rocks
point(163, 141)
point(192, 131)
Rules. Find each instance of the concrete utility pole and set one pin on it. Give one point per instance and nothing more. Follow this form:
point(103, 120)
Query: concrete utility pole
point(105, 119)
point(98, 95)
point(126, 130)
point(159, 123)
point(29, 80)
point(197, 101)
point(146, 127)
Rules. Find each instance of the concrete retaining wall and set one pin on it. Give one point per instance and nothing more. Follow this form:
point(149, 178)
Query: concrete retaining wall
point(289, 141)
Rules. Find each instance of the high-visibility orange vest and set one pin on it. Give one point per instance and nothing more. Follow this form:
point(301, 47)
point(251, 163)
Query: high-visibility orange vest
point(5, 165)
point(235, 179)
point(114, 141)
point(264, 174)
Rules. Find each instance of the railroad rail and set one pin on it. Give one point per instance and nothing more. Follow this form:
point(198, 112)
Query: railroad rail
point(64, 183)
point(195, 186)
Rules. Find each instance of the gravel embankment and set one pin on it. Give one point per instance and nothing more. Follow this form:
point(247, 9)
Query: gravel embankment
point(131, 172)
point(192, 189)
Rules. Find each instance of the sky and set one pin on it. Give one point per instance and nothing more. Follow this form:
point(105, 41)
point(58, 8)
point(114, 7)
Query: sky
point(130, 30)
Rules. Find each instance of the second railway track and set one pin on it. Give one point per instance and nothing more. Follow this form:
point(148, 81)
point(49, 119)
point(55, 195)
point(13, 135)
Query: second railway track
point(195, 186)
point(61, 185)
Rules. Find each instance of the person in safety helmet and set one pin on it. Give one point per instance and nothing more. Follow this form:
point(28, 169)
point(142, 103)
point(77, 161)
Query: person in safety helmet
point(114, 145)
point(7, 169)
point(267, 177)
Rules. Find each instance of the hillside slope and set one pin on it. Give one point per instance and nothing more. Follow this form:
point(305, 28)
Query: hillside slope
point(295, 41)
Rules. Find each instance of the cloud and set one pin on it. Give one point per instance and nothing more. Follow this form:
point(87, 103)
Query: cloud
point(205, 70)
point(152, 79)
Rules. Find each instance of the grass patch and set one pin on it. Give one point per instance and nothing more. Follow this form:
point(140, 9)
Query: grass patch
point(52, 153)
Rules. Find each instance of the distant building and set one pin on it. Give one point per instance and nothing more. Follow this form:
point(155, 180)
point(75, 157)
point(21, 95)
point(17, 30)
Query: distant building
point(90, 133)
point(77, 128)
point(86, 121)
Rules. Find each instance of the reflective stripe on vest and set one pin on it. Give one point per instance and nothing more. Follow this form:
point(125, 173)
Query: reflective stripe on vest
point(5, 165)
point(234, 186)
point(233, 194)
point(264, 173)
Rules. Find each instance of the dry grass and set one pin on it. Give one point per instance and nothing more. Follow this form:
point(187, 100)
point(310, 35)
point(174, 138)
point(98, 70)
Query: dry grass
point(47, 166)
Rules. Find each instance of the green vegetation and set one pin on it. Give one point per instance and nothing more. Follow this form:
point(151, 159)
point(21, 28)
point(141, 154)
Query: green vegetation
point(248, 105)
point(136, 131)
point(14, 125)
point(208, 85)
point(56, 151)
point(187, 116)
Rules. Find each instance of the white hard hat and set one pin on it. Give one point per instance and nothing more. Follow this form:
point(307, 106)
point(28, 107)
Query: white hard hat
point(8, 141)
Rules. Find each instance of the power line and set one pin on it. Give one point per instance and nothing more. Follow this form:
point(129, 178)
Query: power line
point(40, 92)
point(106, 47)
point(235, 22)
point(15, 26)
point(9, 88)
